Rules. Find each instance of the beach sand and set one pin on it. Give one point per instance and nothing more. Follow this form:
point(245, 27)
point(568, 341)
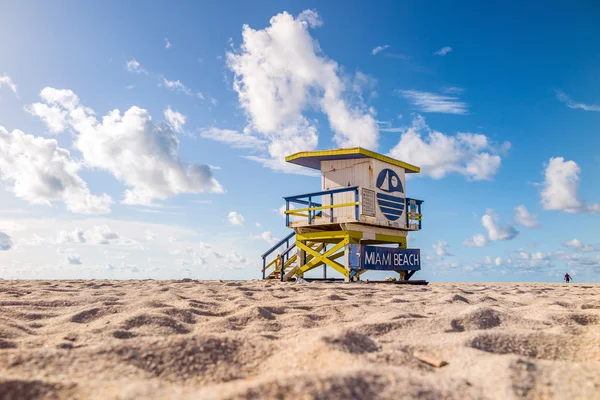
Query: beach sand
point(204, 340)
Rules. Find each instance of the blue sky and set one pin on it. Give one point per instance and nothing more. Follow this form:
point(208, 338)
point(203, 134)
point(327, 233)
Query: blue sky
point(499, 106)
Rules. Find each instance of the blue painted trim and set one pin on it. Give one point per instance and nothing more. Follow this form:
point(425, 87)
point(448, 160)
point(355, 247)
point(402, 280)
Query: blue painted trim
point(332, 191)
point(282, 241)
point(390, 198)
point(391, 211)
point(390, 204)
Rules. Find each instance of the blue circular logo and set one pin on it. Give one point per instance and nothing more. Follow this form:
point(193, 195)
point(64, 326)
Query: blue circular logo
point(391, 206)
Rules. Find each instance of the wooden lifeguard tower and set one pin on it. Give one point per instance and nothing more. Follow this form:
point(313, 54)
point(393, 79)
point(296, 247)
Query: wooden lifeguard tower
point(350, 224)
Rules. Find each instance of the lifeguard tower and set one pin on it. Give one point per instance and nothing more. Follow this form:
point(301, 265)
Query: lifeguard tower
point(359, 221)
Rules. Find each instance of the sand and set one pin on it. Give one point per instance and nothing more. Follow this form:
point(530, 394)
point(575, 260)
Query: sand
point(233, 340)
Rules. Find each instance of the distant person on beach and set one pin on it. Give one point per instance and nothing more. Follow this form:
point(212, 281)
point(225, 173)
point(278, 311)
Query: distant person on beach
point(568, 278)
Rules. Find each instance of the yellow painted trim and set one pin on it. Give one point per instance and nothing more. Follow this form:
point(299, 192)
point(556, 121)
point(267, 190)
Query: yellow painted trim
point(297, 214)
point(320, 208)
point(326, 235)
point(351, 151)
point(390, 238)
point(317, 257)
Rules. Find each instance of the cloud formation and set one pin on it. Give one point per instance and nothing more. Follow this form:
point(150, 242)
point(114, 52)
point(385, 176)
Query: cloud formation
point(135, 150)
point(579, 245)
point(234, 139)
point(6, 80)
point(5, 241)
point(379, 49)
point(175, 119)
point(279, 73)
point(434, 103)
point(469, 154)
point(443, 51)
point(560, 186)
point(525, 218)
point(571, 104)
point(235, 218)
point(38, 171)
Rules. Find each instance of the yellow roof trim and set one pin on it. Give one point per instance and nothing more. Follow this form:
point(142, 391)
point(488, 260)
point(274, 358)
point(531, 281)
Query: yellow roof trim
point(358, 151)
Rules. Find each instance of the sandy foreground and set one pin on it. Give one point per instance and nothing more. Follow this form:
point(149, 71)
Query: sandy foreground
point(204, 340)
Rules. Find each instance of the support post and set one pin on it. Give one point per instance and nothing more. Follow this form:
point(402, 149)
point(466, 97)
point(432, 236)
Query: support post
point(264, 265)
point(301, 258)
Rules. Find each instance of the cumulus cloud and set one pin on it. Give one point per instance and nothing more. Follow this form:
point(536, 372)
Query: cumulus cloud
point(73, 259)
point(176, 86)
point(6, 80)
point(134, 66)
point(280, 72)
point(525, 218)
point(175, 119)
point(434, 103)
point(168, 44)
point(38, 171)
point(560, 188)
point(138, 152)
point(571, 104)
point(5, 241)
point(379, 49)
point(495, 231)
point(477, 240)
point(443, 51)
point(579, 245)
point(234, 139)
point(524, 259)
point(100, 234)
point(267, 237)
point(493, 261)
point(235, 218)
point(470, 154)
point(441, 249)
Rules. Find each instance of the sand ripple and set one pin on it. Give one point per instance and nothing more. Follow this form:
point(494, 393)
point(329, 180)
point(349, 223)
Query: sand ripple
point(246, 340)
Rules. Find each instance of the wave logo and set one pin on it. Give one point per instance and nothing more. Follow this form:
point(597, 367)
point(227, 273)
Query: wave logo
point(391, 206)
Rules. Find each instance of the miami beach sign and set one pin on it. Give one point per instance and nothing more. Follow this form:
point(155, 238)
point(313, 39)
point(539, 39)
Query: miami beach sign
point(384, 258)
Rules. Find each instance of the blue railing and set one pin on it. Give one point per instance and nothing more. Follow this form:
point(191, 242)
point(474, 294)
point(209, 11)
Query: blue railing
point(314, 209)
point(285, 255)
point(413, 211)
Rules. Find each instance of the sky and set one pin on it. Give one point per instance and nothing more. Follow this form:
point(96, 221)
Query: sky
point(147, 140)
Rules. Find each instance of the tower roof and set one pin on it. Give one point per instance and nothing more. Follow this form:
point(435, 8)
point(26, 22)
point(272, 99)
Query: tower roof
point(312, 159)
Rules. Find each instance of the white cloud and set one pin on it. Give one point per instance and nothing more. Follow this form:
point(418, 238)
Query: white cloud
point(493, 261)
point(579, 245)
point(73, 259)
point(168, 44)
point(571, 104)
point(235, 218)
point(525, 218)
point(434, 103)
point(495, 231)
point(175, 119)
point(258, 224)
point(469, 154)
point(560, 188)
point(6, 80)
point(235, 139)
point(267, 237)
point(280, 72)
point(523, 259)
point(5, 241)
point(38, 171)
point(443, 51)
point(99, 234)
point(379, 49)
point(134, 66)
point(477, 240)
point(453, 90)
point(200, 95)
point(176, 86)
point(214, 101)
point(138, 152)
point(441, 250)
